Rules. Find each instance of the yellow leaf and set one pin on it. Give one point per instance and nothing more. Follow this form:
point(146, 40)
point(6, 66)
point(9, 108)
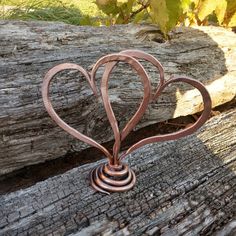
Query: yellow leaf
point(159, 13)
point(185, 4)
point(205, 8)
point(220, 10)
point(232, 21)
point(165, 13)
point(229, 18)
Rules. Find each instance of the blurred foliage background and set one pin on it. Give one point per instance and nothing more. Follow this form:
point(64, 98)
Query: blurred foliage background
point(165, 13)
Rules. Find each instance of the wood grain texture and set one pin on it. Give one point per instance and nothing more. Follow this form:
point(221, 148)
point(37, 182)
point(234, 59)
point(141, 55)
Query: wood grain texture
point(29, 49)
point(184, 187)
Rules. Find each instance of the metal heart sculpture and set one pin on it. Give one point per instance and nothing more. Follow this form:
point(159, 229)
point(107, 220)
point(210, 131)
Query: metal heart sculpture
point(116, 176)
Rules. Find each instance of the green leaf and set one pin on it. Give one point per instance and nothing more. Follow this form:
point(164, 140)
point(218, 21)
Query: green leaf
point(141, 16)
point(109, 7)
point(159, 13)
point(130, 4)
point(125, 10)
point(120, 19)
point(165, 13)
point(126, 7)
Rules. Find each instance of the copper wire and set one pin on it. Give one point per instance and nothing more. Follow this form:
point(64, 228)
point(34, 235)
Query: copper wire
point(115, 176)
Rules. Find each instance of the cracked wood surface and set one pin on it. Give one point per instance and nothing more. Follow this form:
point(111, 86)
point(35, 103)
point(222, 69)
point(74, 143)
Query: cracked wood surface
point(29, 49)
point(184, 187)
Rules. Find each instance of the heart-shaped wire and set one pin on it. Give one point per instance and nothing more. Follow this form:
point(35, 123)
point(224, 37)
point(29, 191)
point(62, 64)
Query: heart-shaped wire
point(116, 176)
point(104, 91)
point(48, 105)
point(186, 131)
point(110, 62)
point(140, 112)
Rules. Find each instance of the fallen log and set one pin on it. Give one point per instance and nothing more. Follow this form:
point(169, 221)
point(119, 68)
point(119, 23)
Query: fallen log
point(184, 187)
point(29, 49)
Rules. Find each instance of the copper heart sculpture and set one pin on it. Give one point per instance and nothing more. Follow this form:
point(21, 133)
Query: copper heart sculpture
point(116, 176)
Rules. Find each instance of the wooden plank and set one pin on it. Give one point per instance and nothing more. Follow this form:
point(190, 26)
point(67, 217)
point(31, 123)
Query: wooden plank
point(184, 187)
point(29, 49)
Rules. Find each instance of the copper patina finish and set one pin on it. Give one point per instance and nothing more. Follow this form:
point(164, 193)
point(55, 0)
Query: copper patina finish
point(116, 176)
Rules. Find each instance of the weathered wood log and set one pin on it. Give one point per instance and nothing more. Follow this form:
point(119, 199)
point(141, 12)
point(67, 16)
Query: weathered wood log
point(184, 187)
point(29, 49)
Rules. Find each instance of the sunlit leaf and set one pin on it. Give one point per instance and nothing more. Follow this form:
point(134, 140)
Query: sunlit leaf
point(231, 8)
point(159, 13)
point(165, 13)
point(196, 2)
point(205, 8)
point(185, 4)
point(230, 13)
point(232, 21)
point(121, 2)
point(220, 10)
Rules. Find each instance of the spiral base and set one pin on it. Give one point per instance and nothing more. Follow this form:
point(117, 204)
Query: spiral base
point(106, 178)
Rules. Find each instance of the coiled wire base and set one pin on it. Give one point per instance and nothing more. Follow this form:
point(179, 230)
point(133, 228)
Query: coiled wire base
point(107, 178)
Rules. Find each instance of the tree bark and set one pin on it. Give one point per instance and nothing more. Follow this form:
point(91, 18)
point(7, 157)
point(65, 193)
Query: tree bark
point(184, 187)
point(29, 49)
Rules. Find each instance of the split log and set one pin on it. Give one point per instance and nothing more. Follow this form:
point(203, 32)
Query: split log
point(29, 49)
point(184, 187)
